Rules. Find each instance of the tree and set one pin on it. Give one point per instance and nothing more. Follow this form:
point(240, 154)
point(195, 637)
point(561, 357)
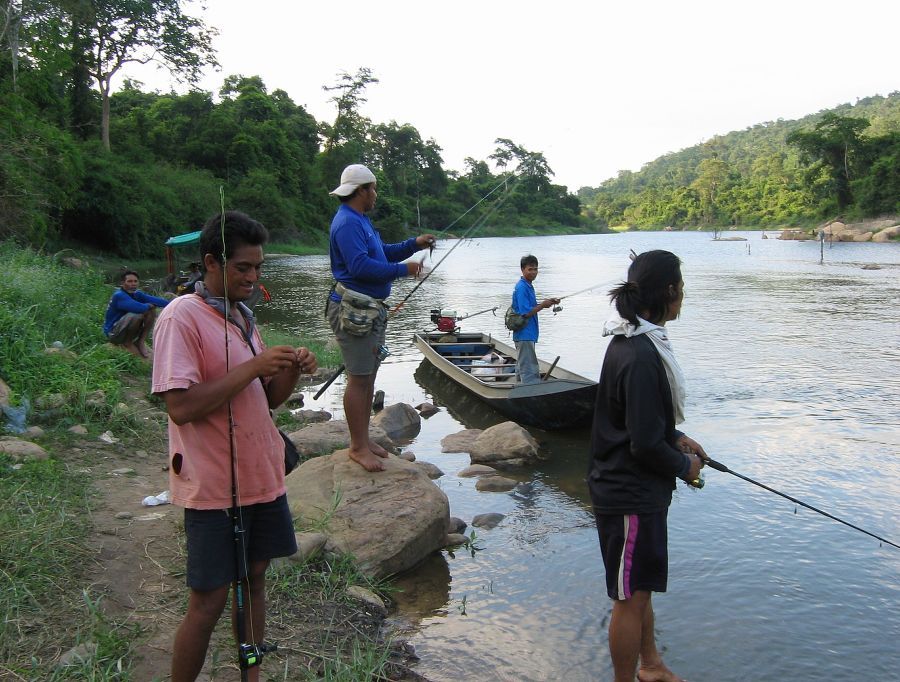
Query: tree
point(141, 31)
point(349, 125)
point(834, 146)
point(712, 174)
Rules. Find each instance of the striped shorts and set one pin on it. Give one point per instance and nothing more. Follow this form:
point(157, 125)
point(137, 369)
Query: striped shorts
point(635, 552)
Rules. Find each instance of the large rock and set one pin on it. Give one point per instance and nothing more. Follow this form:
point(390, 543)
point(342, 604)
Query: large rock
point(389, 520)
point(399, 421)
point(325, 438)
point(461, 441)
point(503, 442)
point(887, 234)
point(21, 449)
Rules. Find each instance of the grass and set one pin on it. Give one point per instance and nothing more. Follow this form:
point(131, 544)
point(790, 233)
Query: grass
point(45, 514)
point(315, 593)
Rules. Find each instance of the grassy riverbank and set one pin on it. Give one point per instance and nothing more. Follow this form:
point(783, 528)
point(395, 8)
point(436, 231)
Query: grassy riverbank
point(76, 569)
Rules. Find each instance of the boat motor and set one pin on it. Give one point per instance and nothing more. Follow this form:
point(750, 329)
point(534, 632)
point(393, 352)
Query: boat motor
point(445, 320)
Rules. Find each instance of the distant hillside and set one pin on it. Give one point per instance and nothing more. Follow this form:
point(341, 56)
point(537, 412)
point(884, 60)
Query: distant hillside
point(755, 177)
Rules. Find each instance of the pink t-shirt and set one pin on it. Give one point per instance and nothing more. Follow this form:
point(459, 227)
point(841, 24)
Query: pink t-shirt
point(188, 349)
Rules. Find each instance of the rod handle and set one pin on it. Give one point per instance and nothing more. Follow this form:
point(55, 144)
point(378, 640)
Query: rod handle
point(718, 466)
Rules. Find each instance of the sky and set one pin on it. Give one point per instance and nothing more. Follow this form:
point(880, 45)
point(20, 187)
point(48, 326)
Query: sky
point(597, 86)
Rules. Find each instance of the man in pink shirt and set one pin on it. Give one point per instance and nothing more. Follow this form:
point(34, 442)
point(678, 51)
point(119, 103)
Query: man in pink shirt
point(226, 456)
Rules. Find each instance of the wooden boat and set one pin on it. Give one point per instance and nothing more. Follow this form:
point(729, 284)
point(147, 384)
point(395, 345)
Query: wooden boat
point(486, 368)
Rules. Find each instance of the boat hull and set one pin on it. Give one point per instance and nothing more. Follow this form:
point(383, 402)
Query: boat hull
point(563, 400)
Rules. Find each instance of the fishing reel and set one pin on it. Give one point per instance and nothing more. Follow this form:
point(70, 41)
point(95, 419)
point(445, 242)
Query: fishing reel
point(556, 309)
point(251, 655)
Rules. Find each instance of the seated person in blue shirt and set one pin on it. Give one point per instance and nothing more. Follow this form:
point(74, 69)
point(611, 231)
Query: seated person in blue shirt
point(130, 316)
point(524, 302)
point(363, 268)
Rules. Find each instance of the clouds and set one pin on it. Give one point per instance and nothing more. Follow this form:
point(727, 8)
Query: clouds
point(597, 87)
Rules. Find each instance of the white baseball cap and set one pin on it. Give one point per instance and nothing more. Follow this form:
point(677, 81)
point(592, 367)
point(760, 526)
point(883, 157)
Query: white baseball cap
point(352, 177)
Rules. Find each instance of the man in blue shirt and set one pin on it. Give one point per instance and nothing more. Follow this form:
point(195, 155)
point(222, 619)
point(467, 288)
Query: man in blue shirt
point(524, 302)
point(363, 268)
point(130, 316)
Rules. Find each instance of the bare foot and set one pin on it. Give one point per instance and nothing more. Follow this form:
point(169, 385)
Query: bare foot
point(377, 449)
point(143, 350)
point(366, 459)
point(657, 673)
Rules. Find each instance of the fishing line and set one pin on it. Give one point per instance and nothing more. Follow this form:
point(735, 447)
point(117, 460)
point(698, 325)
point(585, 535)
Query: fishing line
point(482, 219)
point(718, 466)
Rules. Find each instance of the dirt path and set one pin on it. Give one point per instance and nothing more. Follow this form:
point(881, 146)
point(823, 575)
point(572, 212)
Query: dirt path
point(138, 549)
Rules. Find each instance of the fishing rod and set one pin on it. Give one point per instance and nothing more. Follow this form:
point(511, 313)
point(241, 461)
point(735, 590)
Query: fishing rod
point(478, 223)
point(718, 466)
point(558, 308)
point(591, 288)
point(250, 654)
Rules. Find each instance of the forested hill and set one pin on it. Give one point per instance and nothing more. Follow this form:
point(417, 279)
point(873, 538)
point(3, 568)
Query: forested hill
point(844, 160)
point(89, 157)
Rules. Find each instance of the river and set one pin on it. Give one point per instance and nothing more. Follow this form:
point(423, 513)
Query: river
point(792, 370)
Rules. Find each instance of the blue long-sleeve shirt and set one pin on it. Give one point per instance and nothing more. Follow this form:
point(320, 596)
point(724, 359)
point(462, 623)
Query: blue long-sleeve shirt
point(360, 260)
point(523, 300)
point(122, 302)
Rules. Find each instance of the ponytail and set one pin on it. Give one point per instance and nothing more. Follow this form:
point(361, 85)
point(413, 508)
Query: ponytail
point(647, 291)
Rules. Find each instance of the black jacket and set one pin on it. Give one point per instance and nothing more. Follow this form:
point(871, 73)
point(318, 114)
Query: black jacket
point(634, 460)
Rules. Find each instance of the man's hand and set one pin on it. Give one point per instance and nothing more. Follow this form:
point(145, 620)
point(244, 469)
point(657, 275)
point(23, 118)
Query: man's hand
point(696, 464)
point(425, 241)
point(689, 446)
point(306, 361)
point(275, 359)
point(547, 302)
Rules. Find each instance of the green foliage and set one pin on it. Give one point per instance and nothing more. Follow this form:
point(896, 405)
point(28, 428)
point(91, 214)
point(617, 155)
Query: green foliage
point(40, 172)
point(31, 319)
point(131, 208)
point(878, 191)
point(754, 177)
point(834, 146)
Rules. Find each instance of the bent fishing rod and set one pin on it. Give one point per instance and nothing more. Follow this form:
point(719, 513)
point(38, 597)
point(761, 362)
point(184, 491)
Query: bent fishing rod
point(718, 466)
point(478, 223)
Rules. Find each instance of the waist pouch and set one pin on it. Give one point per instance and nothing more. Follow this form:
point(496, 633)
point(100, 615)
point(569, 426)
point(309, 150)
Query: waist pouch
point(360, 314)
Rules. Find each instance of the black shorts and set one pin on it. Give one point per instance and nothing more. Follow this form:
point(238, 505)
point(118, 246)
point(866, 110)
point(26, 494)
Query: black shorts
point(268, 533)
point(635, 552)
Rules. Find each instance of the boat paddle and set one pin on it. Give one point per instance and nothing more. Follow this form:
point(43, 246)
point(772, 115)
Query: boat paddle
point(550, 371)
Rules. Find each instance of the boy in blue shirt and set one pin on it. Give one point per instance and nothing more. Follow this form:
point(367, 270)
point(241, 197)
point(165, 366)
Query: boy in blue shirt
point(524, 302)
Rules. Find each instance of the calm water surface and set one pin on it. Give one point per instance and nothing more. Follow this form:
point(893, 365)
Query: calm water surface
point(792, 380)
